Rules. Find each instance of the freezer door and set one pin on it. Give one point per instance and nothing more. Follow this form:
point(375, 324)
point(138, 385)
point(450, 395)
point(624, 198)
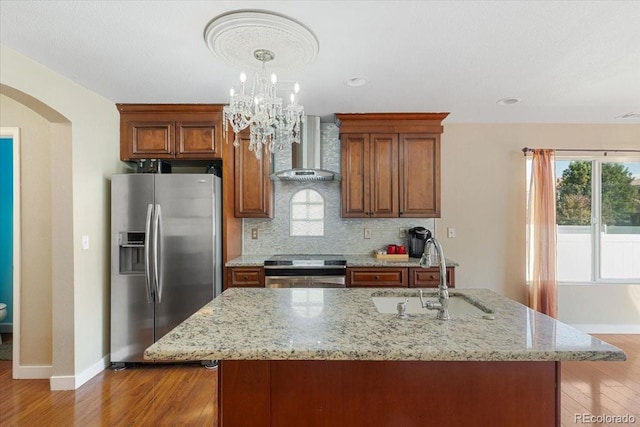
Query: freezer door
point(132, 309)
point(186, 229)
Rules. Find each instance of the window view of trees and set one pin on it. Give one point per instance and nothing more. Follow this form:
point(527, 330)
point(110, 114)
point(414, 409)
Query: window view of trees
point(620, 199)
point(573, 195)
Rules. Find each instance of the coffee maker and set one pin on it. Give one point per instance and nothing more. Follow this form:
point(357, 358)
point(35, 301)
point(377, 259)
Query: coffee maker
point(418, 236)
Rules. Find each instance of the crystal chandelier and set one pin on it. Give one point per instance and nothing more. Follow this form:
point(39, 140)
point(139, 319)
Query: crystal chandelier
point(271, 124)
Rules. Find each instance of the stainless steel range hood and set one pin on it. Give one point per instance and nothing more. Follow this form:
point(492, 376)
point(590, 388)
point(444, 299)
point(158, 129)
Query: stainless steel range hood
point(306, 159)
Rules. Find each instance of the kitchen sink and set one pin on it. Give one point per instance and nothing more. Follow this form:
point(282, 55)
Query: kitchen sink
point(459, 305)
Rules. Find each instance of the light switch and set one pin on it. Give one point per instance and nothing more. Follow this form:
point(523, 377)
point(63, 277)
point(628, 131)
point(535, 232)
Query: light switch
point(85, 242)
point(451, 232)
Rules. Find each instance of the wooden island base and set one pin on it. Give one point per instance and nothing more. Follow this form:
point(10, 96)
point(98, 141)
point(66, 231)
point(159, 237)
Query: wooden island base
point(388, 393)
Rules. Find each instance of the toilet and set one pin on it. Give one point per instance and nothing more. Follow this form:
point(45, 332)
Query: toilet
point(3, 314)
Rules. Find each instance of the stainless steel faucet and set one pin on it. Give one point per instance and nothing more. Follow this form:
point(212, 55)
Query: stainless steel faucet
point(442, 304)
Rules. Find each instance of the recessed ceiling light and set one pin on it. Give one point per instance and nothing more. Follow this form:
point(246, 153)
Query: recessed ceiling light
point(507, 101)
point(629, 116)
point(356, 82)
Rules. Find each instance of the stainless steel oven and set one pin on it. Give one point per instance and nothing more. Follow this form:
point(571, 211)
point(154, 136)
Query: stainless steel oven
point(305, 271)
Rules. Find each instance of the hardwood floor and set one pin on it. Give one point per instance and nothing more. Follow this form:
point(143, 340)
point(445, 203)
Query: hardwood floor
point(150, 395)
point(186, 395)
point(603, 388)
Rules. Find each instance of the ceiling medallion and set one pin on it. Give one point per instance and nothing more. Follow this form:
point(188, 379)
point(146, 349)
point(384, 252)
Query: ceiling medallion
point(235, 36)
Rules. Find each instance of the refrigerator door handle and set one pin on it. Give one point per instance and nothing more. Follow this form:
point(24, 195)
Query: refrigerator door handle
point(157, 218)
point(147, 252)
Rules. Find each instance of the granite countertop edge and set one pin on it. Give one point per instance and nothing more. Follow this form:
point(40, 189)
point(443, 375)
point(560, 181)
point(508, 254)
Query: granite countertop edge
point(443, 356)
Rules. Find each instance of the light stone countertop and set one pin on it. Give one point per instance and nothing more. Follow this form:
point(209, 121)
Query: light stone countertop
point(343, 324)
point(247, 261)
point(370, 261)
point(357, 260)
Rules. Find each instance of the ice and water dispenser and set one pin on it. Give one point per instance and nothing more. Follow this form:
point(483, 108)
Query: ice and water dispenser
point(131, 245)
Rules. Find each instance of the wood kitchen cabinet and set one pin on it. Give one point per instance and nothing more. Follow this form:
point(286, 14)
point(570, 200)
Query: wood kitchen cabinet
point(387, 277)
point(398, 277)
point(170, 131)
point(253, 188)
point(390, 164)
point(369, 175)
point(430, 277)
point(245, 277)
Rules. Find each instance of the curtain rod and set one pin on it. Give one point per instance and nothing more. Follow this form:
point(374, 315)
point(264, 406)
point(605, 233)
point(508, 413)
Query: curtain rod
point(526, 150)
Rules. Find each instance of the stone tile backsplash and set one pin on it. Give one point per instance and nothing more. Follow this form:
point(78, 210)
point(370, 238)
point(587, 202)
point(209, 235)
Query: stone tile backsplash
point(341, 235)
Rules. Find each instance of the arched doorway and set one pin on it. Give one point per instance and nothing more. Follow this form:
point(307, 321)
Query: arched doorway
point(10, 225)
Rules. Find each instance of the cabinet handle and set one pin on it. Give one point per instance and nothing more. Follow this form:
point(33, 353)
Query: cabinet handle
point(245, 277)
point(377, 277)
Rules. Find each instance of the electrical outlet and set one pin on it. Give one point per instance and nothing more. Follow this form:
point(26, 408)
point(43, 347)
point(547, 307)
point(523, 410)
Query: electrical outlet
point(402, 233)
point(367, 233)
point(254, 233)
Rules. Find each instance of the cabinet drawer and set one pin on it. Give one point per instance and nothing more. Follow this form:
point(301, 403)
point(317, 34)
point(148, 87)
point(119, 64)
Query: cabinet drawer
point(372, 277)
point(245, 277)
point(429, 277)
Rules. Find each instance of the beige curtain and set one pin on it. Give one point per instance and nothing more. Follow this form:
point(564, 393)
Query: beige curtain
point(541, 228)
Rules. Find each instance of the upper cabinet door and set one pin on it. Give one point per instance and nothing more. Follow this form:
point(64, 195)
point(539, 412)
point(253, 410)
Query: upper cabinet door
point(356, 171)
point(253, 187)
point(199, 139)
point(420, 175)
point(384, 175)
point(147, 139)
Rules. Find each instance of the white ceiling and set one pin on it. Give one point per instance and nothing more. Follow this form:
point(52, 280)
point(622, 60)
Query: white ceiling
point(568, 61)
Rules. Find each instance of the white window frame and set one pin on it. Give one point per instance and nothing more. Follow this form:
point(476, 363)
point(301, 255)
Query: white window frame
point(596, 224)
point(307, 220)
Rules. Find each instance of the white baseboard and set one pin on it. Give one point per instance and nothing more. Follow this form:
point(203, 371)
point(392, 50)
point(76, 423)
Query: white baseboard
point(93, 370)
point(70, 382)
point(62, 382)
point(607, 329)
point(32, 372)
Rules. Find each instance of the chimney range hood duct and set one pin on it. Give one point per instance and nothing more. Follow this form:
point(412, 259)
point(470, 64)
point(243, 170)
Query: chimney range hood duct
point(306, 156)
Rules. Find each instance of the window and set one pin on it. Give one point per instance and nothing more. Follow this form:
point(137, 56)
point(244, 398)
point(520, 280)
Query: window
point(307, 213)
point(598, 220)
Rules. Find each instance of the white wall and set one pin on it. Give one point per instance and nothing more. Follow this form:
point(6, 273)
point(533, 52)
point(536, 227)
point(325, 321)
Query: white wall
point(601, 308)
point(83, 158)
point(483, 197)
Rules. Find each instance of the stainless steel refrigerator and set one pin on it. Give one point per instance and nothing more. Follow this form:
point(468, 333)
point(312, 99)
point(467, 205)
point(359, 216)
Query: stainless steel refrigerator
point(165, 256)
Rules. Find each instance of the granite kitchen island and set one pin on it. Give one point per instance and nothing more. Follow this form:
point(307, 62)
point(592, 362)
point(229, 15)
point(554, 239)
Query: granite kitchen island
point(328, 357)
